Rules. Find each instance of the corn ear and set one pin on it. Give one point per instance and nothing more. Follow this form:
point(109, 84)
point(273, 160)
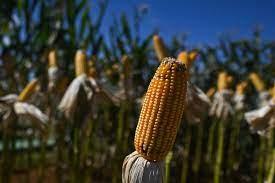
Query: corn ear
point(222, 81)
point(210, 93)
point(161, 111)
point(187, 58)
point(159, 47)
point(257, 82)
point(192, 56)
point(241, 87)
point(80, 63)
point(52, 59)
point(28, 91)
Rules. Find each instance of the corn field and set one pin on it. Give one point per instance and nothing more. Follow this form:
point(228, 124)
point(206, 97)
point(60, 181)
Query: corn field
point(75, 101)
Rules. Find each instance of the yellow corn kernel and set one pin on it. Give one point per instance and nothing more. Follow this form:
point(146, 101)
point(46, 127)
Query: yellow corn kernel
point(161, 111)
point(241, 87)
point(222, 81)
point(159, 47)
point(80, 63)
point(211, 92)
point(257, 82)
point(52, 59)
point(28, 91)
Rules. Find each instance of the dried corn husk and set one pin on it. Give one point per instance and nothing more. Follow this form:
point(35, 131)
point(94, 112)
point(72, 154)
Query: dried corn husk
point(239, 101)
point(80, 89)
point(222, 103)
point(239, 97)
point(7, 115)
point(263, 119)
point(10, 109)
point(264, 98)
point(6, 110)
point(222, 106)
point(102, 95)
point(197, 104)
point(136, 169)
point(9, 99)
point(53, 76)
point(38, 119)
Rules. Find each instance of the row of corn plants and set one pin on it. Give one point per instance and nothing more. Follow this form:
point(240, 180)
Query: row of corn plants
point(75, 120)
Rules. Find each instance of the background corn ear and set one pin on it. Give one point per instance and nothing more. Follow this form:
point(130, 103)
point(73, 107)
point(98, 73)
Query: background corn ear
point(257, 82)
point(28, 91)
point(160, 48)
point(52, 59)
point(80, 63)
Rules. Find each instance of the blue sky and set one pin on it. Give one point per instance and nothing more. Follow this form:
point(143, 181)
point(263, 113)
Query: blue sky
point(202, 20)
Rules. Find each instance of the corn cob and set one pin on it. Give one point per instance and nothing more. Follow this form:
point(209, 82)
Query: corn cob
point(240, 88)
point(52, 59)
point(183, 57)
point(222, 81)
point(80, 63)
point(28, 91)
point(211, 92)
point(187, 58)
point(161, 111)
point(160, 48)
point(257, 82)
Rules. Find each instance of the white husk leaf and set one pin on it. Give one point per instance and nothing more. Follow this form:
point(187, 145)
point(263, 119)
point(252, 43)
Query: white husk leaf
point(9, 99)
point(264, 98)
point(6, 115)
point(262, 120)
point(136, 169)
point(239, 102)
point(38, 118)
point(6, 109)
point(222, 107)
point(103, 95)
point(69, 101)
point(53, 76)
point(197, 104)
